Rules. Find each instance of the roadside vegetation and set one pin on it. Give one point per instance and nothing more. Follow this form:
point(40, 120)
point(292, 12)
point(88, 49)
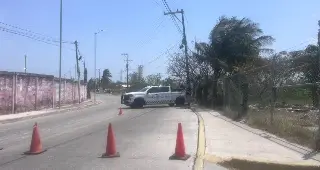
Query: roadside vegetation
point(238, 73)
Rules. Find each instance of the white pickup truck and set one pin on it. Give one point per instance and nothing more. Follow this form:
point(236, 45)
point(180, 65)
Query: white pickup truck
point(153, 95)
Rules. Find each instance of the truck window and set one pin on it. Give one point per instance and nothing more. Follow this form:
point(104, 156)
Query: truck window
point(144, 89)
point(153, 90)
point(163, 89)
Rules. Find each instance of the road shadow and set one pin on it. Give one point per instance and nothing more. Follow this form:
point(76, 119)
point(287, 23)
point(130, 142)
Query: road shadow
point(160, 106)
point(146, 107)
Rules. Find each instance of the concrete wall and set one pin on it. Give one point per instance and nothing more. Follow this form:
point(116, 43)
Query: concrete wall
point(22, 92)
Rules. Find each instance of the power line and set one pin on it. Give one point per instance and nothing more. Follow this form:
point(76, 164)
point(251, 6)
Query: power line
point(173, 19)
point(49, 38)
point(164, 53)
point(28, 36)
point(157, 29)
point(157, 3)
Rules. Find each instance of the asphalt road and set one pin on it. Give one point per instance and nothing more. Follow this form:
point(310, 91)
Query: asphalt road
point(145, 138)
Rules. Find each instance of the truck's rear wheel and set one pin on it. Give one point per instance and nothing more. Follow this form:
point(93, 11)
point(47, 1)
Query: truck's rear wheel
point(180, 101)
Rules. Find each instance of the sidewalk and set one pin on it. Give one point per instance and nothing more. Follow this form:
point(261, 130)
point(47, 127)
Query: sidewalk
point(227, 140)
point(38, 113)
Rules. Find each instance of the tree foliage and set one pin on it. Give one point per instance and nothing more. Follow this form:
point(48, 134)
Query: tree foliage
point(234, 45)
point(106, 78)
point(153, 79)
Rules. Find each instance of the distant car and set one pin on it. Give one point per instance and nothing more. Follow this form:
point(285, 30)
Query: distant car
point(153, 95)
point(107, 90)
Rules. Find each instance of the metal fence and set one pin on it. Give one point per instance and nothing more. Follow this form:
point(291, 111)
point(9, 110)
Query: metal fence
point(272, 97)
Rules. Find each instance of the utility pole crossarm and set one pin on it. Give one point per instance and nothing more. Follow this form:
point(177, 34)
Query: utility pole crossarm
point(173, 13)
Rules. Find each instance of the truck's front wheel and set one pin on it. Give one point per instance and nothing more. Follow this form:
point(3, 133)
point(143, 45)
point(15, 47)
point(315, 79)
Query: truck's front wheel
point(171, 104)
point(137, 103)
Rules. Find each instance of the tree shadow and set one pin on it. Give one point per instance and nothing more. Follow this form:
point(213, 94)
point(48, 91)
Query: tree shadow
point(310, 155)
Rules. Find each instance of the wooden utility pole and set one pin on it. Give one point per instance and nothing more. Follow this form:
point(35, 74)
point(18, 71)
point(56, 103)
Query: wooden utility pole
point(185, 44)
point(273, 89)
point(78, 71)
point(315, 84)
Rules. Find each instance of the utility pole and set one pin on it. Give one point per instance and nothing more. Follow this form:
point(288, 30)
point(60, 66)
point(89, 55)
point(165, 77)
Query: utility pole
point(60, 53)
point(78, 70)
point(120, 75)
point(70, 74)
point(184, 42)
point(84, 67)
point(25, 63)
point(127, 67)
point(99, 81)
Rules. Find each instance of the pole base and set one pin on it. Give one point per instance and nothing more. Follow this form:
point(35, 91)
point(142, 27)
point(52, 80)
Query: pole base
point(105, 155)
point(34, 153)
point(175, 157)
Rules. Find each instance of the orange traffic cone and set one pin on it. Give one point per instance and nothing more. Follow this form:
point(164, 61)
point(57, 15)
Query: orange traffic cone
point(120, 111)
point(180, 153)
point(35, 146)
point(111, 151)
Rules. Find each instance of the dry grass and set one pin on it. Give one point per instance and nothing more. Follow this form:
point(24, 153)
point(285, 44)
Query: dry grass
point(294, 127)
point(238, 164)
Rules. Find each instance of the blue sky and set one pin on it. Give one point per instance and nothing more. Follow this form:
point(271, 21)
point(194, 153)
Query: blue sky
point(138, 28)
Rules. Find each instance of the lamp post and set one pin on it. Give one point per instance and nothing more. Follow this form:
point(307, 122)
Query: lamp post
point(95, 64)
point(60, 48)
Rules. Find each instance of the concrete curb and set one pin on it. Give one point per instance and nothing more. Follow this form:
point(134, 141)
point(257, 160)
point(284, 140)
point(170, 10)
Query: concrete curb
point(201, 148)
point(246, 164)
point(240, 163)
point(53, 111)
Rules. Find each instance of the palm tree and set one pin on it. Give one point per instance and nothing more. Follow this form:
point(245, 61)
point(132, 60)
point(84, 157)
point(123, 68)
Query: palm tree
point(105, 80)
point(232, 42)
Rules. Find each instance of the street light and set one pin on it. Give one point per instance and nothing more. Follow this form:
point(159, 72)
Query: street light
point(95, 64)
point(60, 54)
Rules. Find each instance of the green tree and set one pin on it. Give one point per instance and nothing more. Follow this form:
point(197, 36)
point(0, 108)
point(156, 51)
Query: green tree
point(307, 63)
point(135, 83)
point(105, 80)
point(232, 42)
point(133, 78)
point(90, 84)
point(153, 79)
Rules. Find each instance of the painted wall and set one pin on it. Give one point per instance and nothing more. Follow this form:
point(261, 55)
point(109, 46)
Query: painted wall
point(22, 92)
